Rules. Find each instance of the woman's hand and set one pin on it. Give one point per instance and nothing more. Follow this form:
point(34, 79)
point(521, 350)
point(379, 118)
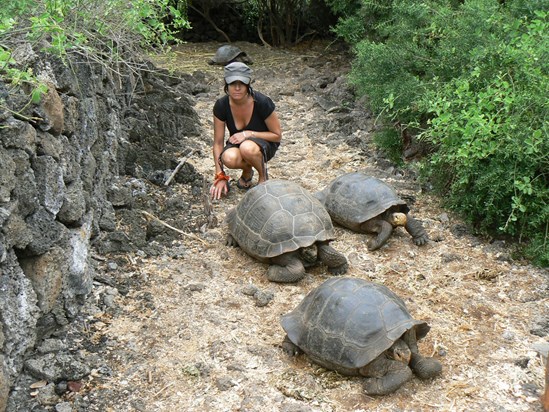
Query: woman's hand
point(239, 137)
point(220, 185)
point(219, 188)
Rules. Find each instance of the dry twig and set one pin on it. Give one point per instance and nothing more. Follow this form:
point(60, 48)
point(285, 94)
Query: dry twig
point(208, 207)
point(179, 166)
point(191, 235)
point(163, 389)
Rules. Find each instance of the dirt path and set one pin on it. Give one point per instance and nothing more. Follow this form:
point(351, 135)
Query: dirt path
point(194, 337)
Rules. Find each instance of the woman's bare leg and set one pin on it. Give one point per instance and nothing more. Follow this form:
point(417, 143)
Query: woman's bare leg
point(245, 157)
point(232, 158)
point(252, 155)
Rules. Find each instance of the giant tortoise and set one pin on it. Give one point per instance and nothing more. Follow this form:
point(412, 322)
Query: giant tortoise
point(365, 204)
point(229, 53)
point(281, 223)
point(359, 328)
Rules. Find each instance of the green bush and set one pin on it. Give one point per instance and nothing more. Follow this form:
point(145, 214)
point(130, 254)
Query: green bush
point(389, 141)
point(470, 79)
point(490, 127)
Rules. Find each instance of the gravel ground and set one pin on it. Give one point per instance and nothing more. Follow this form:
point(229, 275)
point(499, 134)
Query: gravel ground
point(198, 327)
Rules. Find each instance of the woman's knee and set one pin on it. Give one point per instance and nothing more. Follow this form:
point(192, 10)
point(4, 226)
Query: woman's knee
point(231, 158)
point(249, 149)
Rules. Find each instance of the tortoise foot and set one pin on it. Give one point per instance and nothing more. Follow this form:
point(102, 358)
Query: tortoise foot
point(286, 268)
point(373, 245)
point(281, 274)
point(425, 368)
point(336, 261)
point(420, 240)
point(387, 384)
point(416, 230)
point(339, 270)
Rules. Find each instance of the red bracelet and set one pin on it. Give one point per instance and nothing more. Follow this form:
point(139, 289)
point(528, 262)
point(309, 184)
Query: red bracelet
point(221, 176)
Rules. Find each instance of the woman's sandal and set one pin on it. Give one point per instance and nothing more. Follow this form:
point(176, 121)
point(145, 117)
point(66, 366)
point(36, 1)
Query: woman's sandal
point(247, 182)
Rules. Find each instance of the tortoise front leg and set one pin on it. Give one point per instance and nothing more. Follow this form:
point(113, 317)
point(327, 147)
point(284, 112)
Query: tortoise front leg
point(309, 255)
point(336, 261)
point(423, 367)
point(383, 230)
point(416, 230)
point(286, 268)
point(384, 376)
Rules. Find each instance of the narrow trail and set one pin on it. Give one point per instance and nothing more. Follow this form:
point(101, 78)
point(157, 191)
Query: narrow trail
point(203, 333)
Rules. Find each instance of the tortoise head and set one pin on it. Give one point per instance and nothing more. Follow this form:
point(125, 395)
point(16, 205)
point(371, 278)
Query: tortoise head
point(397, 219)
point(400, 352)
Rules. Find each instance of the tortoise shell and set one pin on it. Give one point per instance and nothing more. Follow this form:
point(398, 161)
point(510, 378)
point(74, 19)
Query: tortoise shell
point(354, 198)
point(227, 54)
point(277, 217)
point(348, 322)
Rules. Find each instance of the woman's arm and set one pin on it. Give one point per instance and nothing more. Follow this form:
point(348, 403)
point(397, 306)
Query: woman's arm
point(219, 136)
point(273, 135)
point(218, 188)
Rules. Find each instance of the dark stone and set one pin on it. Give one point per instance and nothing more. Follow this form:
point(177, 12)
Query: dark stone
point(114, 242)
point(46, 231)
point(107, 221)
point(7, 176)
point(74, 205)
point(18, 234)
point(224, 383)
point(188, 175)
point(49, 145)
point(17, 134)
point(262, 298)
point(540, 326)
point(25, 192)
point(57, 367)
point(61, 388)
point(522, 362)
point(119, 195)
point(459, 230)
point(70, 159)
point(49, 183)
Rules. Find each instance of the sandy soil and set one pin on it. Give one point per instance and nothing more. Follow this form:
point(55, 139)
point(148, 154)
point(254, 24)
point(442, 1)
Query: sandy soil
point(202, 331)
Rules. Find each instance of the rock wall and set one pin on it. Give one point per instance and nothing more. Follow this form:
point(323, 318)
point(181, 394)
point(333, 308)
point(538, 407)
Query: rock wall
point(60, 167)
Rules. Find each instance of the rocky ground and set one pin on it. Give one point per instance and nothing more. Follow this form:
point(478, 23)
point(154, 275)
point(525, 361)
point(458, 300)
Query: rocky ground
point(188, 324)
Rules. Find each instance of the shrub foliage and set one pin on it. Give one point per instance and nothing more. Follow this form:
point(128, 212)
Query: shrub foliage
point(107, 32)
point(470, 79)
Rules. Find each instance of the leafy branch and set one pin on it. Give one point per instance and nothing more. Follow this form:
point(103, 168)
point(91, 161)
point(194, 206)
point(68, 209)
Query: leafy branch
point(107, 32)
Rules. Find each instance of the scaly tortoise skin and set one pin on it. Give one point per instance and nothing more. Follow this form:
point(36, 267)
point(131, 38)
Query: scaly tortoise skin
point(359, 328)
point(365, 204)
point(281, 223)
point(227, 54)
